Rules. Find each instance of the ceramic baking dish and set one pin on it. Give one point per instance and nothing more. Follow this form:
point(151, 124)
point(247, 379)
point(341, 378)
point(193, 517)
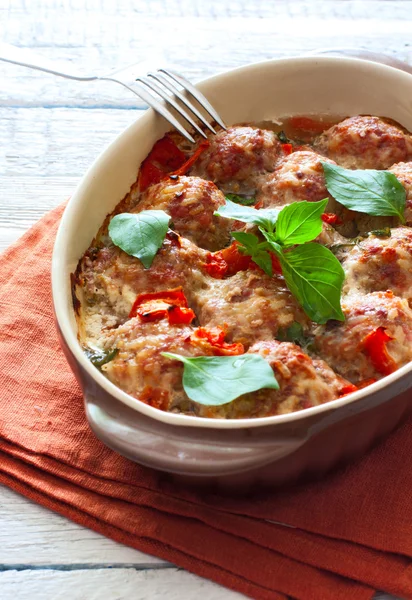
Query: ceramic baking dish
point(230, 453)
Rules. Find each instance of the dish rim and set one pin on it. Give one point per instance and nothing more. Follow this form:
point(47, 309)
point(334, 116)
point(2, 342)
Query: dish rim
point(62, 309)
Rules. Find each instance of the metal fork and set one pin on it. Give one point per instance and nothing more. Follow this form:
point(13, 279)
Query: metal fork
point(158, 89)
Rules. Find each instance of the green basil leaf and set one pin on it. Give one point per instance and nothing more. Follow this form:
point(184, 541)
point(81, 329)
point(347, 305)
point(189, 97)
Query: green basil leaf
point(282, 137)
point(263, 260)
point(300, 222)
point(242, 200)
point(217, 380)
point(367, 191)
point(315, 277)
point(100, 357)
point(272, 240)
point(251, 246)
point(295, 334)
point(140, 234)
point(265, 217)
point(337, 248)
point(381, 233)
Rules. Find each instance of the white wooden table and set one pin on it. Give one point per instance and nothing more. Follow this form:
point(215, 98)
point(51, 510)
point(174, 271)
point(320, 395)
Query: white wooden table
point(52, 129)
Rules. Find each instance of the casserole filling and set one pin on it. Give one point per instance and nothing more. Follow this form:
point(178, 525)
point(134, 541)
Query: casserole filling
point(262, 272)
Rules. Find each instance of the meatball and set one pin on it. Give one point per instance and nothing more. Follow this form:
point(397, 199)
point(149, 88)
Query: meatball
point(111, 279)
point(365, 142)
point(191, 202)
point(297, 177)
point(249, 305)
point(380, 264)
point(403, 171)
point(343, 345)
point(303, 383)
point(139, 368)
point(235, 158)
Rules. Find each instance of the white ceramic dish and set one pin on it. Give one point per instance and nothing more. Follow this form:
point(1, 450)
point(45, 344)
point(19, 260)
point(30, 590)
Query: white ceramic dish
point(274, 449)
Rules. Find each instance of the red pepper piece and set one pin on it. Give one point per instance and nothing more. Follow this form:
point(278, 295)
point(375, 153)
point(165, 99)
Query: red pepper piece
point(170, 304)
point(287, 148)
point(374, 344)
point(153, 310)
point(188, 164)
point(308, 125)
point(349, 388)
point(235, 260)
point(331, 219)
point(166, 154)
point(227, 262)
point(276, 268)
point(149, 175)
point(216, 266)
point(164, 157)
point(215, 340)
point(180, 316)
point(230, 261)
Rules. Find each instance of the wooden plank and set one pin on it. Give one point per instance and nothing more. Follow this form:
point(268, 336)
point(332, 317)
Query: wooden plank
point(25, 199)
point(32, 535)
point(56, 142)
point(110, 584)
point(228, 34)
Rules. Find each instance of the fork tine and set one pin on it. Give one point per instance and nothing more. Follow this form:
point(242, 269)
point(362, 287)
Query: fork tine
point(171, 87)
point(165, 112)
point(196, 94)
point(153, 86)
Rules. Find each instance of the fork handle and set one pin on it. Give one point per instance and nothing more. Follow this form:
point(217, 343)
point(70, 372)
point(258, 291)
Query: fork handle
point(27, 58)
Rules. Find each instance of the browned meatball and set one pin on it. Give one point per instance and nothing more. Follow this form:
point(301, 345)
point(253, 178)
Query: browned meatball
point(249, 305)
point(344, 345)
point(303, 383)
point(380, 264)
point(139, 368)
point(191, 202)
point(297, 177)
point(235, 157)
point(403, 171)
point(111, 279)
point(365, 143)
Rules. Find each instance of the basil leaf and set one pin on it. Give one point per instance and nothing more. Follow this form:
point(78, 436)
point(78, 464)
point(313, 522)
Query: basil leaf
point(300, 222)
point(217, 380)
point(337, 248)
point(295, 334)
point(315, 277)
point(381, 233)
point(100, 357)
point(367, 191)
point(272, 240)
point(282, 137)
point(140, 234)
point(265, 217)
point(251, 246)
point(242, 200)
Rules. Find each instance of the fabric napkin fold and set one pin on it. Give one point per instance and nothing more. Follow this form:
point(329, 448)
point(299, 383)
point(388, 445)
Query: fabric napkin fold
point(342, 537)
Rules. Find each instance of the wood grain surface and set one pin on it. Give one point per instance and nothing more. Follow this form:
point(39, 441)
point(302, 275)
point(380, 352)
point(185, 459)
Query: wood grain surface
point(52, 129)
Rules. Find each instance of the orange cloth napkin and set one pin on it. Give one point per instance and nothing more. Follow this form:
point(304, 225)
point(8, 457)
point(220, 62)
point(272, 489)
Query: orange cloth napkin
point(347, 536)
